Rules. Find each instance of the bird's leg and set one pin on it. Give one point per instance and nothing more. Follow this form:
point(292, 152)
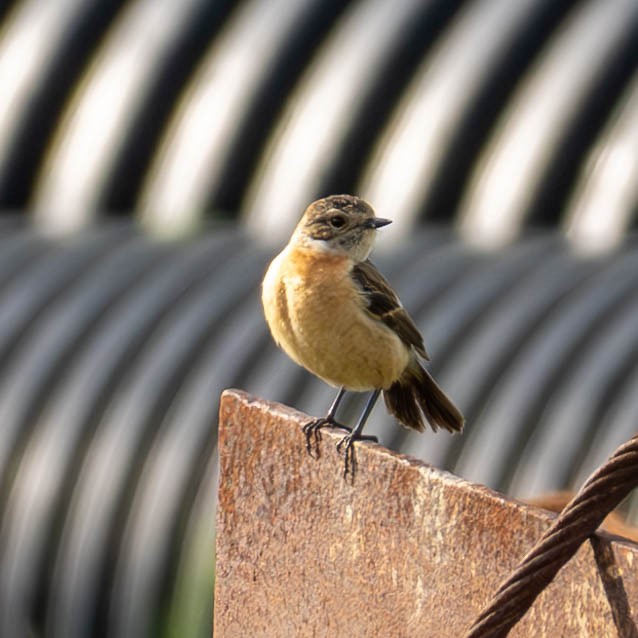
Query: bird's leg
point(347, 442)
point(312, 427)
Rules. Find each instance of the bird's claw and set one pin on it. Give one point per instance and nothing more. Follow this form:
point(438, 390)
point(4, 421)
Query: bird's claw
point(310, 429)
point(350, 464)
point(347, 444)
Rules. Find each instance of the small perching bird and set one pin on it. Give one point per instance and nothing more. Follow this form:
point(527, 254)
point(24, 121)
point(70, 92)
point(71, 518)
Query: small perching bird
point(334, 314)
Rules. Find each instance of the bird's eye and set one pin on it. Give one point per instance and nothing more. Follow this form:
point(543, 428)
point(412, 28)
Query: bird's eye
point(337, 221)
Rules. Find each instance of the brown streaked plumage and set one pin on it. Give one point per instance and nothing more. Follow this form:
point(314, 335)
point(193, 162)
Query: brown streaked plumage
point(334, 314)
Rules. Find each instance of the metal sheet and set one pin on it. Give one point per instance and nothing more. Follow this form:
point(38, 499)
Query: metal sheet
point(302, 551)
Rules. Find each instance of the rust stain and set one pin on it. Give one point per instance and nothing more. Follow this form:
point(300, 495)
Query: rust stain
point(406, 550)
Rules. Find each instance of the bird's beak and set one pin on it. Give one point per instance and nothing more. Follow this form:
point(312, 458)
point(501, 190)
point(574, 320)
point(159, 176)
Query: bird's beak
point(378, 222)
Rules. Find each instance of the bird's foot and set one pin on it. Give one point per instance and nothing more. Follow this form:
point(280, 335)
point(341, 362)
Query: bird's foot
point(312, 430)
point(347, 445)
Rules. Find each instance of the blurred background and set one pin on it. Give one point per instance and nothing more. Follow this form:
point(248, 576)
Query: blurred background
point(155, 154)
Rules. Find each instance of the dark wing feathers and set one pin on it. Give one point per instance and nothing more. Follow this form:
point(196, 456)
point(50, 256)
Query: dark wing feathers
point(383, 304)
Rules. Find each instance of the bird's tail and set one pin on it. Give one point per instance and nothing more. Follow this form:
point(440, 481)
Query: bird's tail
point(415, 395)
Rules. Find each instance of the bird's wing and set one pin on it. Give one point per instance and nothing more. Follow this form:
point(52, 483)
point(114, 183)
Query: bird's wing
point(383, 304)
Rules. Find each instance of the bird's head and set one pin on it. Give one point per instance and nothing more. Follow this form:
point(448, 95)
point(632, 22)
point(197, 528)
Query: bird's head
point(339, 223)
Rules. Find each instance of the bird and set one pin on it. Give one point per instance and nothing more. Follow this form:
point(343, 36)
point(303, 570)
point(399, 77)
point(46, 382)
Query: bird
point(334, 314)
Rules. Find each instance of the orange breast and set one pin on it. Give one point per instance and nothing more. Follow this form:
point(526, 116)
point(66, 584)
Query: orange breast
point(316, 314)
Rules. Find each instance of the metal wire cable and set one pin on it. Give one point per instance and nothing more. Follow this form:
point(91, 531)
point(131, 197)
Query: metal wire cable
point(600, 494)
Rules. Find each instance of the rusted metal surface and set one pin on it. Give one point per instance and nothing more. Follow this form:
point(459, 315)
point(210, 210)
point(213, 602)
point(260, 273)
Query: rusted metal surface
point(404, 550)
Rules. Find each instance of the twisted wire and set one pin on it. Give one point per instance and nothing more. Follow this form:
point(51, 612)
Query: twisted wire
point(580, 518)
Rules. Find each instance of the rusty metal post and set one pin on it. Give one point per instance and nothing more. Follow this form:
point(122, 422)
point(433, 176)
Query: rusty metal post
point(404, 550)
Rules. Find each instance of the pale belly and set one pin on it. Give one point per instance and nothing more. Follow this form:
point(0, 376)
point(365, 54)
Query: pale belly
point(321, 325)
